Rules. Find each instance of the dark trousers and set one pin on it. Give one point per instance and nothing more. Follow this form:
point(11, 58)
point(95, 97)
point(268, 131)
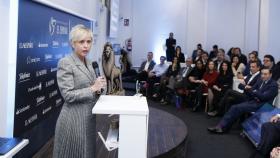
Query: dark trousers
point(170, 54)
point(230, 97)
point(236, 111)
point(198, 95)
point(151, 81)
point(163, 89)
point(142, 76)
point(270, 137)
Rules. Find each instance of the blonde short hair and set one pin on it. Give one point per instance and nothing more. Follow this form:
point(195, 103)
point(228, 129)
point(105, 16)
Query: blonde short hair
point(79, 32)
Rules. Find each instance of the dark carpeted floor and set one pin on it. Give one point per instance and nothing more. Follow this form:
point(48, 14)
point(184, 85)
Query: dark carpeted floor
point(201, 143)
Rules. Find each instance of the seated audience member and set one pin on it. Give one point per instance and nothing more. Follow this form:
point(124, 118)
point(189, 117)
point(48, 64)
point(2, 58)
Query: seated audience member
point(237, 65)
point(182, 79)
point(257, 55)
point(269, 62)
point(222, 84)
point(125, 62)
point(252, 57)
point(276, 72)
point(204, 58)
point(264, 91)
point(234, 97)
point(154, 75)
point(270, 135)
point(213, 53)
point(208, 79)
point(180, 56)
point(199, 54)
point(196, 75)
point(168, 80)
point(220, 58)
point(181, 84)
point(242, 57)
point(146, 67)
point(230, 52)
point(194, 54)
point(277, 99)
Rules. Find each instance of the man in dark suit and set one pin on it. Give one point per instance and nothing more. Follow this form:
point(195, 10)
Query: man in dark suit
point(194, 54)
point(264, 91)
point(220, 58)
point(269, 62)
point(170, 44)
point(146, 67)
point(270, 136)
point(182, 82)
point(214, 52)
point(182, 78)
point(234, 97)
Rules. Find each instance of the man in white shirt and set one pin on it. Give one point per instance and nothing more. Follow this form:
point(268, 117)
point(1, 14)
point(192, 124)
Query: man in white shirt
point(155, 74)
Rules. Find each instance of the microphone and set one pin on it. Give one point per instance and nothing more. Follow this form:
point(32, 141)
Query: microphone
point(97, 72)
point(96, 68)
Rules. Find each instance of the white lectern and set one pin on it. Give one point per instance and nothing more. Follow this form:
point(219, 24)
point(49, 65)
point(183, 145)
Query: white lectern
point(133, 125)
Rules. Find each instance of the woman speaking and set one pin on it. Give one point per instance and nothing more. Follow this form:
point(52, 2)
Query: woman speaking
point(75, 127)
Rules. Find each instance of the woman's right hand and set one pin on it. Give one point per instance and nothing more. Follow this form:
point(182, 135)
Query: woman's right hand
point(99, 84)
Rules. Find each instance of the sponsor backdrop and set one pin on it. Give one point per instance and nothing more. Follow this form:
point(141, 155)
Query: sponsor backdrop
point(43, 34)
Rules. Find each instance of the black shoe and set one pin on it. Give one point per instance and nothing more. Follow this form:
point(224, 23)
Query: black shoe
point(216, 130)
point(212, 113)
point(195, 108)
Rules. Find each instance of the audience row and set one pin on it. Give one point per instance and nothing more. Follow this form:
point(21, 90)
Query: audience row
point(213, 76)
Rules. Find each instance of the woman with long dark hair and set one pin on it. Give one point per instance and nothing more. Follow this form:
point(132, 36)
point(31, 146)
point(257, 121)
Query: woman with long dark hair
point(237, 65)
point(208, 79)
point(180, 56)
point(222, 84)
point(169, 79)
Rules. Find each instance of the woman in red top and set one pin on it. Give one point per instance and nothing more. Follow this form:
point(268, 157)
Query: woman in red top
point(208, 80)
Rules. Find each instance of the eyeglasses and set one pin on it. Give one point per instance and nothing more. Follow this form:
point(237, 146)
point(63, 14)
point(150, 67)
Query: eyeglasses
point(265, 60)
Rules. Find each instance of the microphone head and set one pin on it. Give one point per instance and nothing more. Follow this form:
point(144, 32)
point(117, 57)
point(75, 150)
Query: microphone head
point(96, 68)
point(95, 65)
